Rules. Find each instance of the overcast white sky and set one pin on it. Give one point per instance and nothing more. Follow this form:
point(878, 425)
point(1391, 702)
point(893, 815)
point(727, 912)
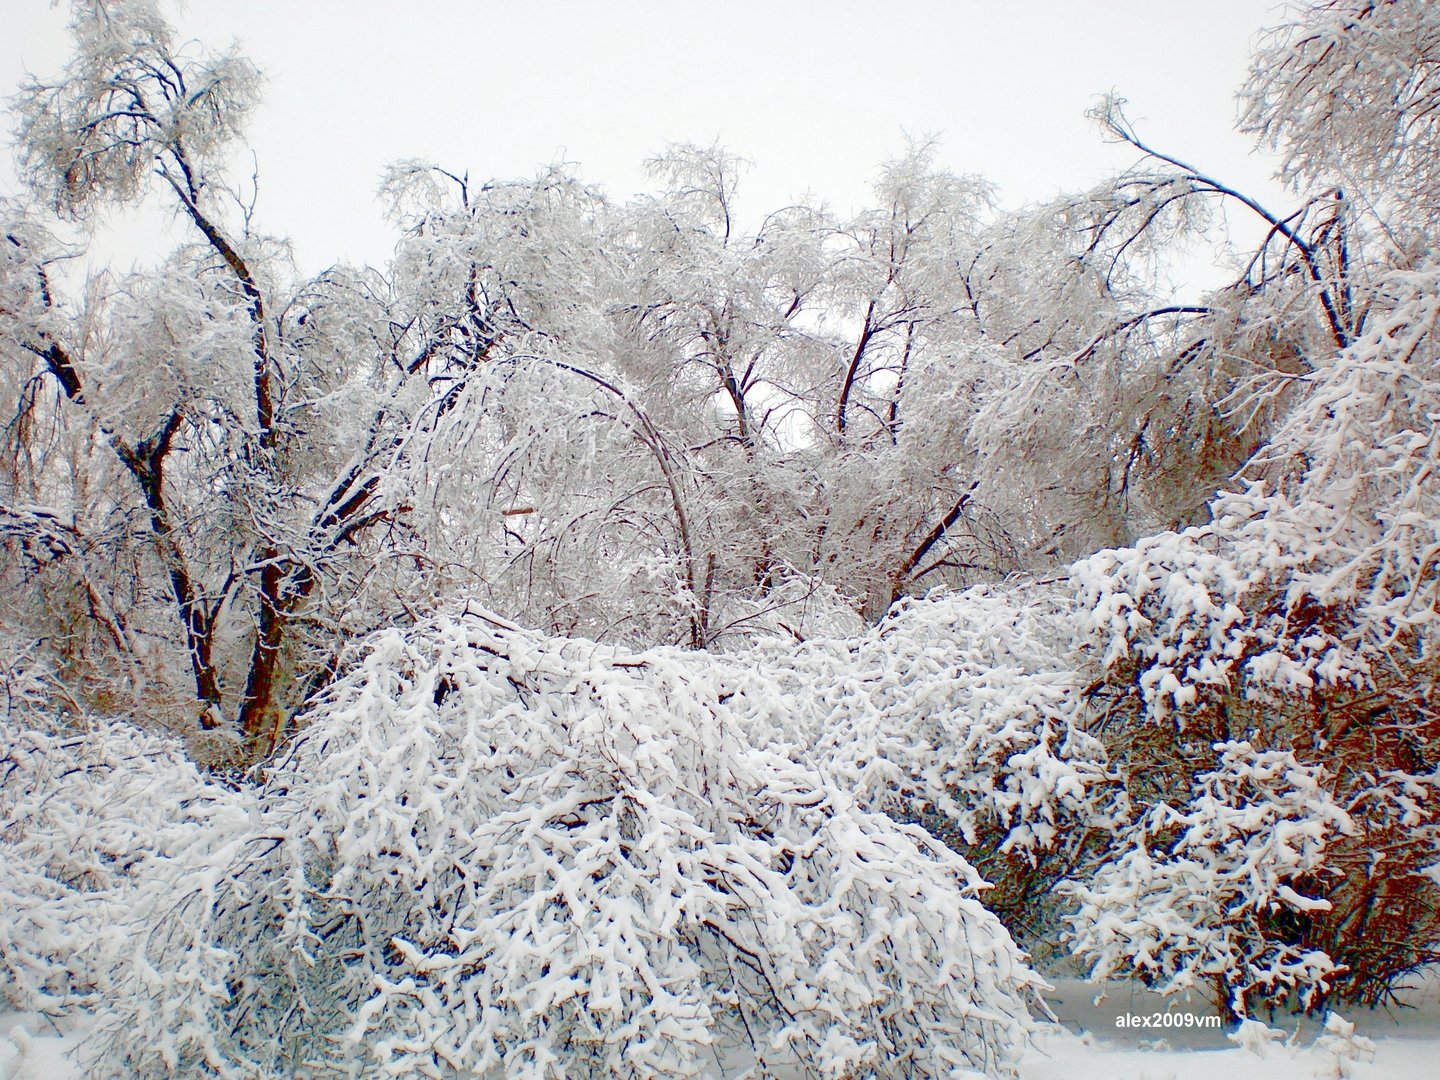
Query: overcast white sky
point(816, 94)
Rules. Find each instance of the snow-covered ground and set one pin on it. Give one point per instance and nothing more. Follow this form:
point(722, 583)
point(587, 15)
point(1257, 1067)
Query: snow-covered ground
point(1090, 1045)
point(31, 1048)
point(1087, 1044)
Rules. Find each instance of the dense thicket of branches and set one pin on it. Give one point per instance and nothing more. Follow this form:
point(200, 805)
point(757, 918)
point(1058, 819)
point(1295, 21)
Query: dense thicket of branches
point(1185, 663)
point(634, 421)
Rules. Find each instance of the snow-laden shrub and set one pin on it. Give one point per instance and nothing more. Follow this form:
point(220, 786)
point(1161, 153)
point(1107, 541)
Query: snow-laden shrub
point(1256, 1038)
point(1323, 580)
point(966, 712)
point(1223, 633)
point(1216, 895)
point(965, 703)
point(495, 853)
point(89, 817)
point(1302, 619)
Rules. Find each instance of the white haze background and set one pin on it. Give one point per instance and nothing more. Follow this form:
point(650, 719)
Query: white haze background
point(814, 94)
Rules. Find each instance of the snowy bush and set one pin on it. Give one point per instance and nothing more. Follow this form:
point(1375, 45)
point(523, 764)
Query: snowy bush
point(967, 704)
point(1219, 636)
point(965, 712)
point(88, 817)
point(1342, 1048)
point(497, 853)
point(1302, 620)
point(1216, 894)
point(1255, 1037)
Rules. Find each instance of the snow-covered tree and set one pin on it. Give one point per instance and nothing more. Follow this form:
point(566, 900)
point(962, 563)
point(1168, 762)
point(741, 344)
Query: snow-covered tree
point(1302, 619)
point(204, 457)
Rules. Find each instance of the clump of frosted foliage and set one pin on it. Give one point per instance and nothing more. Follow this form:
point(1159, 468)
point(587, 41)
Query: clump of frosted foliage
point(91, 814)
point(1311, 585)
point(1189, 896)
point(500, 854)
point(1341, 1048)
point(968, 705)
